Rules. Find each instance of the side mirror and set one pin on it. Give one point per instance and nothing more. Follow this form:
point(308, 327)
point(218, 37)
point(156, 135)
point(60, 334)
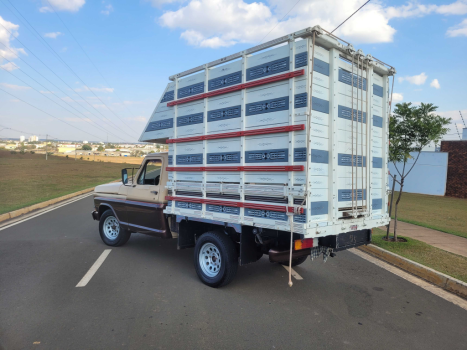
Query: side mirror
point(124, 176)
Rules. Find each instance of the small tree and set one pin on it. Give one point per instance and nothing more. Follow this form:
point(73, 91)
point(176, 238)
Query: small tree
point(100, 149)
point(412, 128)
point(86, 147)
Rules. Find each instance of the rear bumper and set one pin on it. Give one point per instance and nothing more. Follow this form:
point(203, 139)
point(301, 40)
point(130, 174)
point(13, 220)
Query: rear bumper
point(277, 255)
point(346, 240)
point(95, 215)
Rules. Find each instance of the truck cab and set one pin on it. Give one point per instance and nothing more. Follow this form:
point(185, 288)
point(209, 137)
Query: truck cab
point(137, 202)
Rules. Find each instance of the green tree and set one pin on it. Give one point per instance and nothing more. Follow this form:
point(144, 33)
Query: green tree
point(100, 149)
point(86, 147)
point(411, 128)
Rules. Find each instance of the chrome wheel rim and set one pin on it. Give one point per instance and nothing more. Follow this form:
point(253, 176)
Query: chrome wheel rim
point(210, 259)
point(111, 227)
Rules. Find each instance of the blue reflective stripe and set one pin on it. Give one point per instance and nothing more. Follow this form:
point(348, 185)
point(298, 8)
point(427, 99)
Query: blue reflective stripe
point(377, 121)
point(160, 124)
point(190, 119)
point(269, 156)
point(170, 160)
point(301, 100)
point(299, 154)
point(301, 59)
point(223, 157)
point(225, 80)
point(188, 205)
point(317, 155)
point(346, 78)
point(346, 113)
point(321, 66)
point(190, 90)
point(266, 214)
point(346, 195)
point(189, 158)
point(267, 106)
point(320, 105)
point(377, 90)
point(299, 218)
point(224, 113)
point(346, 160)
point(319, 208)
point(222, 209)
point(377, 203)
point(266, 69)
point(168, 96)
point(377, 162)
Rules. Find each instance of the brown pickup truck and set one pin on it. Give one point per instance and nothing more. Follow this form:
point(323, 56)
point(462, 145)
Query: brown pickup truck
point(136, 205)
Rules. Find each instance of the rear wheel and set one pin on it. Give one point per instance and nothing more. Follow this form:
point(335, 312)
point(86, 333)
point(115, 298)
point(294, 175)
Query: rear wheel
point(110, 230)
point(296, 261)
point(215, 259)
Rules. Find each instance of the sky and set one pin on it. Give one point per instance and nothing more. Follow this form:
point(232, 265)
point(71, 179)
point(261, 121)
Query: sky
point(94, 70)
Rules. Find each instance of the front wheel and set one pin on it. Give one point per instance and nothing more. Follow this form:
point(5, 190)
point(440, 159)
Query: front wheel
point(215, 259)
point(110, 230)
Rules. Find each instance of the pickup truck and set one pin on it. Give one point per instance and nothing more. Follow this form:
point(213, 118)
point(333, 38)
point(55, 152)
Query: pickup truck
point(277, 150)
point(137, 203)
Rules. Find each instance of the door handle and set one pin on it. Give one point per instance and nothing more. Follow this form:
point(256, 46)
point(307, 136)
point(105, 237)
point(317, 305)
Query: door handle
point(155, 192)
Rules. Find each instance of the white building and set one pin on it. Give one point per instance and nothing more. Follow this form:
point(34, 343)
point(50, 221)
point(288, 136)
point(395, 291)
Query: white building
point(85, 142)
point(33, 138)
point(21, 139)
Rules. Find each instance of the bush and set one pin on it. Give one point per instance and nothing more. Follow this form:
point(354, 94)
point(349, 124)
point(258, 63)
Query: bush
point(67, 156)
point(80, 158)
point(13, 152)
point(32, 152)
point(21, 151)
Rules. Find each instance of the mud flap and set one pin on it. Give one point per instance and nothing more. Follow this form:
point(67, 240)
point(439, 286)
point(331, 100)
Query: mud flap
point(248, 251)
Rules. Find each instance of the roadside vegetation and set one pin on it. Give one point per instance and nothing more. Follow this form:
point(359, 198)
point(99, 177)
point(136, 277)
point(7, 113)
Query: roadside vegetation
point(27, 179)
point(444, 214)
point(425, 254)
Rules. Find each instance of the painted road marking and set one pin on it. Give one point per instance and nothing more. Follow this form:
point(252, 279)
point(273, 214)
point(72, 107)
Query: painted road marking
point(415, 280)
point(43, 211)
point(87, 277)
point(294, 273)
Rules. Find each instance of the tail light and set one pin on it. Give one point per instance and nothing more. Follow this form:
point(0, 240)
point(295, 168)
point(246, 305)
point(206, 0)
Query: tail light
point(303, 243)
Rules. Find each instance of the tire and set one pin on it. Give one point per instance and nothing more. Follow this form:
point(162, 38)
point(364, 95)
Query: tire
point(295, 262)
point(110, 230)
point(219, 256)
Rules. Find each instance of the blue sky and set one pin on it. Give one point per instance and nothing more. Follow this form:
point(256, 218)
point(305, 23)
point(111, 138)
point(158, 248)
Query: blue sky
point(136, 45)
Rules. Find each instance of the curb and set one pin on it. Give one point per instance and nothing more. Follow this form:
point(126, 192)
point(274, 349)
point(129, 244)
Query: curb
point(439, 279)
point(22, 211)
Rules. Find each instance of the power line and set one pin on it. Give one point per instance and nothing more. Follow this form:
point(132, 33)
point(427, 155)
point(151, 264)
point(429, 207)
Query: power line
point(84, 99)
point(350, 16)
point(24, 132)
point(462, 119)
point(85, 53)
point(280, 21)
point(86, 119)
point(66, 64)
point(97, 138)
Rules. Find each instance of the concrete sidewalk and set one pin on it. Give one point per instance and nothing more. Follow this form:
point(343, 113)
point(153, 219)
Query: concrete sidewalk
point(438, 239)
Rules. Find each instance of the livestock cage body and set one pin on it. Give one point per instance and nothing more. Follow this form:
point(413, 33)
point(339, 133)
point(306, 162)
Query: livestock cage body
point(298, 124)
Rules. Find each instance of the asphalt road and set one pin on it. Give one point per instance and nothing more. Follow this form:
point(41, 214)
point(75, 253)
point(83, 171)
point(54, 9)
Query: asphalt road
point(146, 295)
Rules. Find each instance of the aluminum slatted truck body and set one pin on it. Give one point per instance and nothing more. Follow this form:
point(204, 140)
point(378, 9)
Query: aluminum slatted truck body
point(240, 130)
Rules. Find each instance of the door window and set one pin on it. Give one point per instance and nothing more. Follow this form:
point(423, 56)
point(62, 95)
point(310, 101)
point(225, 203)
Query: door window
point(151, 173)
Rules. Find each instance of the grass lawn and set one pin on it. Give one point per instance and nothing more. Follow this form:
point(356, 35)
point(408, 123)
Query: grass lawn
point(445, 214)
point(425, 254)
point(27, 179)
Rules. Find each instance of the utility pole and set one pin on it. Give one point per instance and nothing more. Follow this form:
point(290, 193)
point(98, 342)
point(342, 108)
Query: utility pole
point(46, 146)
point(75, 150)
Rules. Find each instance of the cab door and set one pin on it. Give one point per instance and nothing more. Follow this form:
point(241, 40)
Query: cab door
point(145, 202)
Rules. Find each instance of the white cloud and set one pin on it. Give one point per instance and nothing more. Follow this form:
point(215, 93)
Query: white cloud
point(458, 30)
point(62, 5)
point(10, 66)
point(95, 89)
point(14, 87)
point(138, 119)
point(219, 23)
point(435, 84)
point(108, 8)
point(8, 32)
point(415, 79)
point(397, 97)
point(52, 35)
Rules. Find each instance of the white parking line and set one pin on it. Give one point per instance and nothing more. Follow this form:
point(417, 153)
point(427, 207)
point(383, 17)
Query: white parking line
point(43, 211)
point(87, 277)
point(415, 280)
point(294, 273)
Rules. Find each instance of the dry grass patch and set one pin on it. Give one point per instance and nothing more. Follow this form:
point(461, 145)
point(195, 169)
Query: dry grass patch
point(27, 179)
point(425, 254)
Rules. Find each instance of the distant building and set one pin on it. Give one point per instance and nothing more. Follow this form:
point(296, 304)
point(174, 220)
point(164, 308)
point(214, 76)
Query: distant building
point(33, 138)
point(21, 139)
point(85, 142)
point(464, 134)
